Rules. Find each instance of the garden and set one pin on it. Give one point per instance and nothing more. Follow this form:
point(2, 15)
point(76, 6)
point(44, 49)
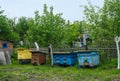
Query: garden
point(100, 25)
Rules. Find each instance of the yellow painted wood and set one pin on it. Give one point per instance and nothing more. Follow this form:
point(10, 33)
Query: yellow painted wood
point(24, 54)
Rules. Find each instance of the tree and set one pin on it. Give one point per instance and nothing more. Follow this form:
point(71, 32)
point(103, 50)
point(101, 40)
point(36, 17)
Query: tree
point(74, 31)
point(103, 22)
point(22, 26)
point(6, 32)
point(47, 29)
point(112, 8)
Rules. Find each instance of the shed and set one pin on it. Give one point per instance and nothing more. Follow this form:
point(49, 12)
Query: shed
point(6, 44)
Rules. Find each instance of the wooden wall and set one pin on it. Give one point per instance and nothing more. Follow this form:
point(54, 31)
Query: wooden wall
point(10, 44)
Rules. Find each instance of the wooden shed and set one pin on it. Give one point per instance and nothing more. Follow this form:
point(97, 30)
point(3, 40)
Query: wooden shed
point(6, 44)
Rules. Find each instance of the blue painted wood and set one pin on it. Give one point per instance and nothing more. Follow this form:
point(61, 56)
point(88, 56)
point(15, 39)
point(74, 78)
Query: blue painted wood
point(88, 58)
point(4, 44)
point(65, 58)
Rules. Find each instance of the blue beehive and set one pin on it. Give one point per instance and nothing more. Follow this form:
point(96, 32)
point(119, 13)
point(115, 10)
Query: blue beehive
point(88, 58)
point(64, 58)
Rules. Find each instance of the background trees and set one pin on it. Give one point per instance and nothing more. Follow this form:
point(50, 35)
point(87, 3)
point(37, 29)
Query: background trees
point(47, 28)
point(102, 24)
point(6, 28)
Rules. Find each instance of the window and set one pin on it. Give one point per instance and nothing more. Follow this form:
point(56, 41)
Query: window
point(4, 45)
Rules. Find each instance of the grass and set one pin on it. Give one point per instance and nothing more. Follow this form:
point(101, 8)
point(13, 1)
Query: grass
point(28, 72)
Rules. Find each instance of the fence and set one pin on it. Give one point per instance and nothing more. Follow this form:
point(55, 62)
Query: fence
point(106, 53)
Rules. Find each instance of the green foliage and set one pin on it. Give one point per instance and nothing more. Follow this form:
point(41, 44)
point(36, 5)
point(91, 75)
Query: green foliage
point(103, 23)
point(14, 58)
point(113, 13)
point(22, 26)
point(110, 65)
point(74, 31)
point(6, 31)
point(48, 28)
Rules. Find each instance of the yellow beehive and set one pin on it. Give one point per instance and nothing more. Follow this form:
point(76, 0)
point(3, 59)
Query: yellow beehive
point(24, 54)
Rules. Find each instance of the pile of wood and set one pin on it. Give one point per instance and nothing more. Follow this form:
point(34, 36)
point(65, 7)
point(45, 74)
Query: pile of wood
point(5, 57)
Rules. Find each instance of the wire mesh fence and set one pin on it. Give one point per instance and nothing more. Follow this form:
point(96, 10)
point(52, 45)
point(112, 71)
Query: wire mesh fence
point(106, 53)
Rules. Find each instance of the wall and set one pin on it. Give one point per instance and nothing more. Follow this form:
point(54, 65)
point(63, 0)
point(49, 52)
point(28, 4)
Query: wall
point(9, 44)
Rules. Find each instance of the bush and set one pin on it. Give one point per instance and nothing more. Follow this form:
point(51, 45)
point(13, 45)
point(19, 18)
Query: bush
point(110, 65)
point(14, 57)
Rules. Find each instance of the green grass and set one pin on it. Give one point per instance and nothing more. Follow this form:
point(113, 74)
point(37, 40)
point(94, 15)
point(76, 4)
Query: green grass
point(28, 72)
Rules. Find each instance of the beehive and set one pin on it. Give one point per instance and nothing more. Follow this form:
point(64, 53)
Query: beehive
point(38, 58)
point(88, 58)
point(65, 58)
point(24, 55)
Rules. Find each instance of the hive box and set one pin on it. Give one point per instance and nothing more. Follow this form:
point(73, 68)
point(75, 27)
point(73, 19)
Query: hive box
point(38, 58)
point(65, 58)
point(24, 56)
point(88, 58)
